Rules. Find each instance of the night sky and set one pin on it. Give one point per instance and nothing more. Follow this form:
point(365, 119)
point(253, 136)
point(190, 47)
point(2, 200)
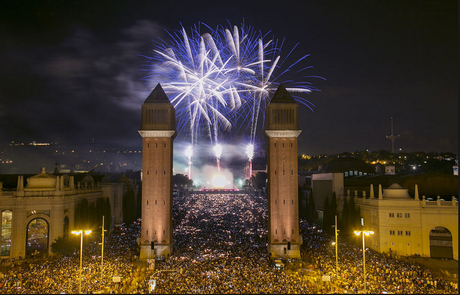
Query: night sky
point(72, 70)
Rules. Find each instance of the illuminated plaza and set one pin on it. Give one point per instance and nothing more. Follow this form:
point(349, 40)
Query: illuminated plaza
point(220, 247)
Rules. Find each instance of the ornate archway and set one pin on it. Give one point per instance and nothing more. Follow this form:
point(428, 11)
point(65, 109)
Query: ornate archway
point(441, 243)
point(37, 237)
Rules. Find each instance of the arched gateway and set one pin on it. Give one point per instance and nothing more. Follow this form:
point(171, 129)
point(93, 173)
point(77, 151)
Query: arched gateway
point(158, 129)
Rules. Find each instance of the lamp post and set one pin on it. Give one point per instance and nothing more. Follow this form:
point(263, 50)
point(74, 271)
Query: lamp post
point(364, 233)
point(102, 250)
point(80, 232)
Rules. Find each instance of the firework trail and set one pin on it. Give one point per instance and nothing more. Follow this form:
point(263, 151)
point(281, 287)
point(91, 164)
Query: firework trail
point(222, 77)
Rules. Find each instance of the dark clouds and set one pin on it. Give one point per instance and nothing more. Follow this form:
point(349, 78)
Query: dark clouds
point(72, 70)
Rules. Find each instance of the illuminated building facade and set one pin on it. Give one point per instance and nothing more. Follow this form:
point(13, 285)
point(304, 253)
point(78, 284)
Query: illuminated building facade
point(37, 212)
point(411, 225)
point(281, 131)
point(158, 129)
point(403, 224)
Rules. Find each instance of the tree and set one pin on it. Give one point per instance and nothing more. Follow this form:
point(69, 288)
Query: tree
point(311, 209)
point(302, 209)
point(181, 180)
point(64, 246)
point(345, 216)
point(129, 206)
point(108, 214)
point(260, 180)
point(333, 207)
point(326, 215)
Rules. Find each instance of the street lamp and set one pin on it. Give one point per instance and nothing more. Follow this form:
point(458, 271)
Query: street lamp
point(80, 232)
point(365, 233)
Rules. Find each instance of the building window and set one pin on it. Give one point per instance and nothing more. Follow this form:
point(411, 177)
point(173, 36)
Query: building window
point(407, 215)
point(407, 232)
point(392, 232)
point(400, 232)
point(392, 215)
point(399, 215)
point(7, 218)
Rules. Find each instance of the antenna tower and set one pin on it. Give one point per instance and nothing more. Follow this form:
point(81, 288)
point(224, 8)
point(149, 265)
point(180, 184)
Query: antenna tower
point(392, 137)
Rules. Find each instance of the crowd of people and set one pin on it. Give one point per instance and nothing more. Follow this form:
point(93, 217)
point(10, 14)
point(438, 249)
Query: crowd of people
point(220, 247)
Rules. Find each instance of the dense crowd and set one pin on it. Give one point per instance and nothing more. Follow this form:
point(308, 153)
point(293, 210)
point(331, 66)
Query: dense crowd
point(221, 247)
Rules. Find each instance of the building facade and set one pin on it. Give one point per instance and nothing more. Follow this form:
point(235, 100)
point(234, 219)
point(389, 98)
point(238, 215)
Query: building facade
point(403, 224)
point(42, 209)
point(406, 225)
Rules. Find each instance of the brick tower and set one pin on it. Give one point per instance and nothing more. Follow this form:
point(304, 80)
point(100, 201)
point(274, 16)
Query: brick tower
point(158, 129)
point(281, 131)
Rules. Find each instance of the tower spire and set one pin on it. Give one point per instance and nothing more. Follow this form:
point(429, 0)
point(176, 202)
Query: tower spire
point(392, 137)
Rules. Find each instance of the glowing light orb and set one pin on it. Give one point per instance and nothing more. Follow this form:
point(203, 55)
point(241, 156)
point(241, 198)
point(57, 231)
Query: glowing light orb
point(218, 181)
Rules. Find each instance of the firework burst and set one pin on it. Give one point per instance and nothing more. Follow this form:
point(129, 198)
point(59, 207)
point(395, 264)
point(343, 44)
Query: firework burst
point(222, 78)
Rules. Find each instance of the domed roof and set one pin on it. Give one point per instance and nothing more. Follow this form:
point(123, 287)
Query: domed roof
point(395, 191)
point(88, 178)
point(345, 164)
point(123, 179)
point(41, 181)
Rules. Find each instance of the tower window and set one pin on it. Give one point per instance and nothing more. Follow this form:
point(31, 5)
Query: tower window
point(147, 232)
point(276, 231)
point(148, 145)
point(283, 144)
point(147, 202)
point(275, 144)
point(292, 202)
point(283, 172)
point(164, 144)
point(155, 202)
point(291, 144)
point(156, 144)
point(164, 232)
point(284, 202)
